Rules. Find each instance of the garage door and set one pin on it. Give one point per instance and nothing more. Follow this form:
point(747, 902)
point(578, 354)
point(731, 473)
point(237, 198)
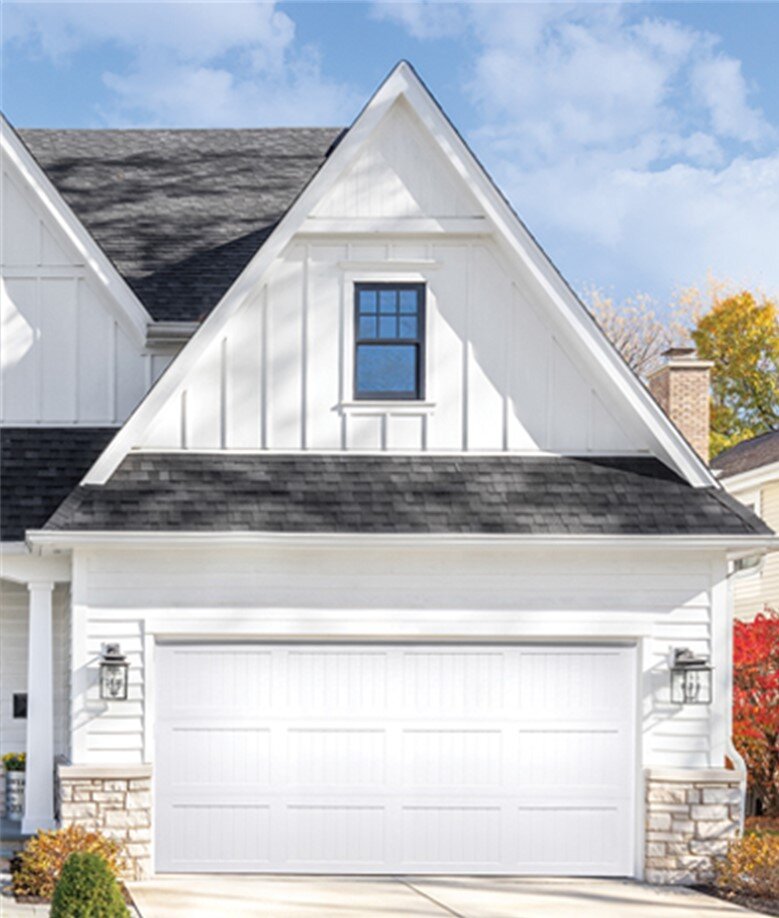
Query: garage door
point(395, 758)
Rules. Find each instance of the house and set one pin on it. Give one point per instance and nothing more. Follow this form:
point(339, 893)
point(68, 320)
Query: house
point(305, 426)
point(750, 472)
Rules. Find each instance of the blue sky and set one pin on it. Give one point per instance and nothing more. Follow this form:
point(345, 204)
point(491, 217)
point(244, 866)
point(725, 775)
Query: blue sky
point(639, 142)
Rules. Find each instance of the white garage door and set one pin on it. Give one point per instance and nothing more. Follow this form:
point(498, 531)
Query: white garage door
point(395, 758)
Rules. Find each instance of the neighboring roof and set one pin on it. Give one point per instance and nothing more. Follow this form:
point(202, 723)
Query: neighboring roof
point(748, 455)
point(39, 467)
point(312, 493)
point(180, 212)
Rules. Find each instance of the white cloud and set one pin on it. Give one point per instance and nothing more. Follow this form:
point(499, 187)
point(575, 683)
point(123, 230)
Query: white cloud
point(629, 141)
point(189, 64)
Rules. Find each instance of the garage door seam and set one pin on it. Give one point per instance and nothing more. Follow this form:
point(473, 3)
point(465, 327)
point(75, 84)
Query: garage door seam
point(430, 898)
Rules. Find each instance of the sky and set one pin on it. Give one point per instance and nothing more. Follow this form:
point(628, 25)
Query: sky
point(639, 142)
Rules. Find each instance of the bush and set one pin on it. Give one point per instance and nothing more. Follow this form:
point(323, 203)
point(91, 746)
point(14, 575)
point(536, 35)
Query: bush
point(87, 889)
point(751, 866)
point(40, 864)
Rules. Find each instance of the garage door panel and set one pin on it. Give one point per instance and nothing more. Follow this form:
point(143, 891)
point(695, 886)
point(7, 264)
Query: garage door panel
point(320, 835)
point(395, 758)
point(337, 757)
point(451, 758)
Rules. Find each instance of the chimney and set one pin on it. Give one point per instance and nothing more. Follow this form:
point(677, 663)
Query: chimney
point(681, 387)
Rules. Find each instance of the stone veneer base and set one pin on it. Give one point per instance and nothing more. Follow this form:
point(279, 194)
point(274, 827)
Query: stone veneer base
point(114, 800)
point(691, 816)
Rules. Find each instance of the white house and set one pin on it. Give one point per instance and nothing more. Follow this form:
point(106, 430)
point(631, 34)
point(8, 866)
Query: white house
point(398, 550)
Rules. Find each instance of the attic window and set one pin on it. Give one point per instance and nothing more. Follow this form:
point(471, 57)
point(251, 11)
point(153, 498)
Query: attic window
point(389, 341)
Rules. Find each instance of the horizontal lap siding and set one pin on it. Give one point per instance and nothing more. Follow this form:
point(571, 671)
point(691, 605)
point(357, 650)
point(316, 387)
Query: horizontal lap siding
point(251, 594)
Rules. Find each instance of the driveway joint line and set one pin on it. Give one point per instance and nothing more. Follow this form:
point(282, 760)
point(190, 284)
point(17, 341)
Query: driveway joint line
point(429, 898)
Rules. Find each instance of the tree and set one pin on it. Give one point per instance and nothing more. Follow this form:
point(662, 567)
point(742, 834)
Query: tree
point(636, 330)
point(756, 704)
point(741, 335)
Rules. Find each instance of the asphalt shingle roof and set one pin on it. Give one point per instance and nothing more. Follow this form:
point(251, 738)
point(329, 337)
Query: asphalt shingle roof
point(748, 455)
point(401, 494)
point(39, 467)
point(180, 213)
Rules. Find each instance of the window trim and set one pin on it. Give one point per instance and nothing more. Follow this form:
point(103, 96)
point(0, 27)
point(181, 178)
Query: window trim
point(419, 342)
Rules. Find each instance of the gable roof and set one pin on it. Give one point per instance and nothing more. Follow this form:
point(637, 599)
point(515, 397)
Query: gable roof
point(308, 493)
point(593, 345)
point(748, 455)
point(180, 212)
point(39, 467)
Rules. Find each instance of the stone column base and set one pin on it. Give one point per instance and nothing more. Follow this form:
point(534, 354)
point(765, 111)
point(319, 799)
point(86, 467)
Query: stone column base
point(691, 816)
point(114, 800)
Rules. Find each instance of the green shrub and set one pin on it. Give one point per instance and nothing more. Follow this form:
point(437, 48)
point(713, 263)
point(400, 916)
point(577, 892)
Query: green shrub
point(37, 869)
point(87, 889)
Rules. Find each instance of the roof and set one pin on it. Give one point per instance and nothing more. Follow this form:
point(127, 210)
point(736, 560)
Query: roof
point(180, 212)
point(39, 467)
point(748, 455)
point(309, 493)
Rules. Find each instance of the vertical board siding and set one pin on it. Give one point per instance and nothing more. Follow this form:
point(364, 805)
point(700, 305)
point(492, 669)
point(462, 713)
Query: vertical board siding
point(64, 356)
point(498, 375)
point(498, 593)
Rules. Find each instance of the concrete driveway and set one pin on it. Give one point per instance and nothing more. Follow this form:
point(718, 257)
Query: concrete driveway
point(418, 897)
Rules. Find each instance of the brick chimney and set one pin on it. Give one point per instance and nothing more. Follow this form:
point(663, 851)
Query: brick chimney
point(681, 387)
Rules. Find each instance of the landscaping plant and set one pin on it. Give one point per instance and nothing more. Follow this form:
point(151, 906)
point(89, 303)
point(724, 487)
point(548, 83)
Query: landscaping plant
point(756, 705)
point(87, 889)
point(14, 761)
point(751, 866)
point(38, 868)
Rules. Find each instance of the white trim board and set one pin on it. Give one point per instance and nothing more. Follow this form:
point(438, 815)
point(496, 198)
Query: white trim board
point(597, 351)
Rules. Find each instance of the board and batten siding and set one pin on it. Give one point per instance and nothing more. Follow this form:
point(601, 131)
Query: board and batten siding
point(138, 596)
point(499, 375)
point(14, 651)
point(66, 357)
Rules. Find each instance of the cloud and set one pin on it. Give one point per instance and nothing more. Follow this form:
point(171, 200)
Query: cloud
point(188, 64)
point(629, 141)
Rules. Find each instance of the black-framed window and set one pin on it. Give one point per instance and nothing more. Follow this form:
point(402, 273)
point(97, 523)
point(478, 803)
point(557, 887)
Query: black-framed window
point(389, 335)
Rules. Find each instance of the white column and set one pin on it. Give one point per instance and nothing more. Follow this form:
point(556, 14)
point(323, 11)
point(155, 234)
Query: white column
point(39, 780)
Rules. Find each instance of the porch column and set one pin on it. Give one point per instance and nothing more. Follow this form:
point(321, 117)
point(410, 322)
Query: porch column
point(39, 780)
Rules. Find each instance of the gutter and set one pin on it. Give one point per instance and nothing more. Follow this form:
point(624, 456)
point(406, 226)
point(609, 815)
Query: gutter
point(736, 546)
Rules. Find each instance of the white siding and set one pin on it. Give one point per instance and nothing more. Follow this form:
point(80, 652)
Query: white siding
point(14, 605)
point(500, 375)
point(661, 600)
point(65, 355)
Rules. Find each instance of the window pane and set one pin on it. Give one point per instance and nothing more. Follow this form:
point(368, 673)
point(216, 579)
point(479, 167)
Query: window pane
point(388, 327)
point(386, 368)
point(368, 301)
point(408, 327)
point(367, 327)
point(408, 300)
point(388, 300)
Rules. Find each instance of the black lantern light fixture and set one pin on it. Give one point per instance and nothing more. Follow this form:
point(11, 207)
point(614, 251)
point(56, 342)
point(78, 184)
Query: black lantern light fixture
point(113, 674)
point(690, 678)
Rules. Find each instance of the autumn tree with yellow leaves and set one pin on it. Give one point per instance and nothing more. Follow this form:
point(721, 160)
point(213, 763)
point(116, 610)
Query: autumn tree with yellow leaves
point(740, 334)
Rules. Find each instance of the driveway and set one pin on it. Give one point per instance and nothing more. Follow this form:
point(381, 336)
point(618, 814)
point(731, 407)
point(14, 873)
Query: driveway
point(418, 897)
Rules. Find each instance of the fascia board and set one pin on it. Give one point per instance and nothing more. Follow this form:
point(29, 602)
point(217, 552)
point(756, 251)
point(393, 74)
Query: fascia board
point(131, 312)
point(753, 478)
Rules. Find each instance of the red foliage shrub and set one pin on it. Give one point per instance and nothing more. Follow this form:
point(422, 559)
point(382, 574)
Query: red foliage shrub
point(756, 704)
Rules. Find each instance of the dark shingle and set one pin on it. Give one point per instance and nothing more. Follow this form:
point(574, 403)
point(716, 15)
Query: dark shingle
point(748, 455)
point(180, 213)
point(39, 467)
point(401, 494)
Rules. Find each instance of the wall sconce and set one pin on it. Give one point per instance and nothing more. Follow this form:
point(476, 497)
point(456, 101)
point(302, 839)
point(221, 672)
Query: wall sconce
point(113, 674)
point(690, 678)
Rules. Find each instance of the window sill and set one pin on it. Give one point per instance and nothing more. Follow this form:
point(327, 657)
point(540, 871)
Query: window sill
point(387, 406)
